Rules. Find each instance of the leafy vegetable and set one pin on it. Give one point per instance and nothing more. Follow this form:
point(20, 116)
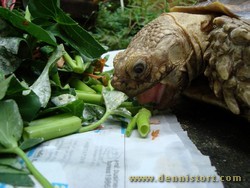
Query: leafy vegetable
point(11, 127)
point(45, 89)
point(10, 50)
point(31, 83)
point(42, 85)
point(61, 25)
point(16, 179)
point(15, 18)
point(92, 113)
point(113, 100)
point(75, 107)
point(11, 172)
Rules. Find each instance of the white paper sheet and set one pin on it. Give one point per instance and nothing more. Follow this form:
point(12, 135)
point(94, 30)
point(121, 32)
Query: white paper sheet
point(106, 158)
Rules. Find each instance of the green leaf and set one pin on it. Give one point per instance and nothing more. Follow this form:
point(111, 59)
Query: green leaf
point(92, 112)
point(11, 162)
point(75, 108)
point(47, 11)
point(26, 144)
point(7, 30)
point(42, 86)
point(113, 99)
point(4, 84)
point(10, 86)
point(18, 20)
point(122, 112)
point(10, 55)
point(10, 170)
point(28, 103)
point(16, 179)
point(11, 124)
point(1, 75)
point(63, 99)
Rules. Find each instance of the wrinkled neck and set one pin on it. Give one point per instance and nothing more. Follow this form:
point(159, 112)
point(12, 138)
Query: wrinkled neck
point(194, 26)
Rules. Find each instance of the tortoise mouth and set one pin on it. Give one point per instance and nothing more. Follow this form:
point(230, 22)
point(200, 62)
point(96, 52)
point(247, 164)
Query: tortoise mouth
point(153, 95)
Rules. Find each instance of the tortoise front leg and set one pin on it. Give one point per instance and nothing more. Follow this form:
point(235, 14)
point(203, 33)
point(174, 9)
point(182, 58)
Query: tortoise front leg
point(228, 63)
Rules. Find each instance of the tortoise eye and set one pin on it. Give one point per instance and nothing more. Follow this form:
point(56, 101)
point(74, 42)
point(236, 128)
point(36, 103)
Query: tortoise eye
point(139, 67)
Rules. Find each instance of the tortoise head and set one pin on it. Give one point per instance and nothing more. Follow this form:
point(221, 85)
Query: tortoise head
point(155, 58)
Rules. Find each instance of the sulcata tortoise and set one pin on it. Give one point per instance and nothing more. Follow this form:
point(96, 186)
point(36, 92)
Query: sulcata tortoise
point(202, 51)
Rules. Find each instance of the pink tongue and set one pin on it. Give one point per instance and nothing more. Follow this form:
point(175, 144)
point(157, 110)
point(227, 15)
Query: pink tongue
point(152, 95)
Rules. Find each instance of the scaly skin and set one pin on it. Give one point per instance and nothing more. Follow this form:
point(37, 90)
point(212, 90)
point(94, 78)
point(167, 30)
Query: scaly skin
point(228, 69)
point(169, 50)
point(177, 47)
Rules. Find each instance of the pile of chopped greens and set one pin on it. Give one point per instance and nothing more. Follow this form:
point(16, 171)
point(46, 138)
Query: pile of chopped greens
point(52, 84)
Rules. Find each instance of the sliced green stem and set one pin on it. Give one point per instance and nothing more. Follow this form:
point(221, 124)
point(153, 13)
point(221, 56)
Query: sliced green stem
point(49, 120)
point(96, 124)
point(143, 123)
point(81, 86)
point(131, 126)
point(98, 88)
point(90, 97)
point(69, 60)
point(52, 127)
point(39, 177)
point(72, 63)
point(79, 63)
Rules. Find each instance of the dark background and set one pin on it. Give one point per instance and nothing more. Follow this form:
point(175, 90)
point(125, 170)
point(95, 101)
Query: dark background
point(224, 137)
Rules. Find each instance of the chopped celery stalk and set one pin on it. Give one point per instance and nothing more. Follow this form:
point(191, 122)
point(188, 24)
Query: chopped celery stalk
point(79, 85)
point(79, 63)
point(72, 63)
point(98, 88)
point(131, 126)
point(90, 97)
point(143, 123)
point(48, 119)
point(52, 127)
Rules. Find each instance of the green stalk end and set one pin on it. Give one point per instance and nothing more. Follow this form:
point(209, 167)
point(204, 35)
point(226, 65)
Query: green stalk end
point(52, 127)
point(143, 123)
point(90, 97)
point(81, 86)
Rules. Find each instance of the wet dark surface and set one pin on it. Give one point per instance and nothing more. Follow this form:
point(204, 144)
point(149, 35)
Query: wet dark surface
point(223, 137)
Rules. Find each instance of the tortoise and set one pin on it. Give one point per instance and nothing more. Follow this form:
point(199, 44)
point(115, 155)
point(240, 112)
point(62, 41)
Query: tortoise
point(202, 51)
